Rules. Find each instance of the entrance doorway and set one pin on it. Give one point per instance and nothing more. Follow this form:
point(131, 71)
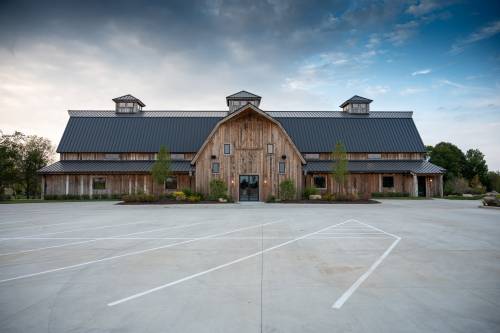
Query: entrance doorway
point(422, 191)
point(249, 188)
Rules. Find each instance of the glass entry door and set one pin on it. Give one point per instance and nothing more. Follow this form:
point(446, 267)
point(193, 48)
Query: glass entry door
point(249, 188)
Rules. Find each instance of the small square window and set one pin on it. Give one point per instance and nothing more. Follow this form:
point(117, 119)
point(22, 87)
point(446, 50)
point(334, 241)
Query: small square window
point(281, 167)
point(388, 182)
point(270, 148)
point(171, 183)
point(319, 182)
point(227, 149)
point(215, 167)
point(99, 183)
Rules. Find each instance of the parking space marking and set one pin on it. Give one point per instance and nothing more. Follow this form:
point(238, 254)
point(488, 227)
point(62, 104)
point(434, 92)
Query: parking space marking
point(348, 293)
point(98, 239)
point(134, 253)
point(192, 276)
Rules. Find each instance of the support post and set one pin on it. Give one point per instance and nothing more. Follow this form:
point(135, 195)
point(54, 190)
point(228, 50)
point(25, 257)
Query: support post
point(441, 194)
point(129, 185)
point(135, 187)
point(42, 192)
point(81, 185)
point(415, 185)
point(67, 184)
point(90, 187)
point(145, 186)
point(379, 182)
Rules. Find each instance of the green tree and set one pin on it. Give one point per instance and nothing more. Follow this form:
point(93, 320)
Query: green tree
point(339, 169)
point(494, 181)
point(218, 189)
point(37, 153)
point(450, 157)
point(475, 165)
point(428, 151)
point(161, 167)
point(287, 190)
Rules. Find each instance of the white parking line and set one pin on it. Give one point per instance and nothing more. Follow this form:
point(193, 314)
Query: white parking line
point(192, 276)
point(348, 293)
point(99, 239)
point(80, 229)
point(382, 236)
point(134, 253)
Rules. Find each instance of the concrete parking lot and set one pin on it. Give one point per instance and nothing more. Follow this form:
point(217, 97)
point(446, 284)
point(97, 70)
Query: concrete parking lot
point(399, 266)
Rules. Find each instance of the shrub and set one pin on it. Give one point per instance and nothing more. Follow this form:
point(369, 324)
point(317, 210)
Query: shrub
point(179, 196)
point(194, 198)
point(140, 197)
point(456, 186)
point(390, 194)
point(218, 189)
point(287, 190)
point(310, 191)
point(271, 198)
point(366, 196)
point(187, 191)
point(328, 197)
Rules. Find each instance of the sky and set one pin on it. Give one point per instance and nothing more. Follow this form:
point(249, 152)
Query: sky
point(440, 59)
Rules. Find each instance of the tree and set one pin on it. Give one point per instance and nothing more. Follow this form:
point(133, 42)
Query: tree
point(428, 151)
point(21, 156)
point(161, 167)
point(218, 189)
point(494, 181)
point(475, 165)
point(450, 157)
point(340, 166)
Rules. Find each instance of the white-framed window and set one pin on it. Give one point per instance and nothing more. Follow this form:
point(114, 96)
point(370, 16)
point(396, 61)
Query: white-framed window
point(374, 156)
point(111, 156)
point(311, 156)
point(215, 167)
point(319, 182)
point(171, 183)
point(281, 167)
point(270, 148)
point(388, 182)
point(99, 183)
point(177, 156)
point(227, 149)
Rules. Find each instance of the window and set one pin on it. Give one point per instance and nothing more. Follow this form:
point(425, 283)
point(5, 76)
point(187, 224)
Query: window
point(281, 167)
point(99, 183)
point(319, 182)
point(374, 156)
point(227, 149)
point(270, 148)
point(311, 156)
point(177, 156)
point(171, 183)
point(215, 167)
point(111, 156)
point(388, 182)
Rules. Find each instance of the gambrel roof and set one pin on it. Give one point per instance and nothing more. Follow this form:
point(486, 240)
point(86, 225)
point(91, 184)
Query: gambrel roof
point(185, 131)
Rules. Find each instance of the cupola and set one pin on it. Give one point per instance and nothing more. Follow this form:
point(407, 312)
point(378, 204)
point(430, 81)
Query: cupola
point(236, 101)
point(128, 104)
point(357, 105)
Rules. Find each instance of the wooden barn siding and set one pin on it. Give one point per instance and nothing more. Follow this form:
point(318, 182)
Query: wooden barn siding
point(123, 156)
point(384, 156)
point(369, 183)
point(115, 184)
point(249, 135)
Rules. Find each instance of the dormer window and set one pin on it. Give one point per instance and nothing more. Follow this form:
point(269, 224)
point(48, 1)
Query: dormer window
point(128, 104)
point(356, 105)
point(235, 101)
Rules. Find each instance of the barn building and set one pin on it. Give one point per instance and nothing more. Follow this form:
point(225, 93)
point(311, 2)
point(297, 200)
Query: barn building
point(111, 152)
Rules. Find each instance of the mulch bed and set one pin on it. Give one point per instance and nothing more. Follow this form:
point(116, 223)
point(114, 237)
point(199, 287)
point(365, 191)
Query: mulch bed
point(172, 202)
point(328, 202)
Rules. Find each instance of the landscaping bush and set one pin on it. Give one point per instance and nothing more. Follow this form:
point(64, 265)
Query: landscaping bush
point(218, 189)
point(287, 190)
point(179, 196)
point(187, 191)
point(271, 198)
point(328, 197)
point(310, 191)
point(194, 198)
point(390, 194)
point(461, 197)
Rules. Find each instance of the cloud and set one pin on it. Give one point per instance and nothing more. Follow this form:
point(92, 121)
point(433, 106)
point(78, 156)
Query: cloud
point(425, 6)
point(411, 91)
point(402, 32)
point(485, 32)
point(377, 90)
point(422, 72)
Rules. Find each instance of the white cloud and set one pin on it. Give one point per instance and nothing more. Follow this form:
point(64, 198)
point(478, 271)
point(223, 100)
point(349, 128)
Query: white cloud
point(487, 31)
point(377, 90)
point(411, 91)
point(422, 72)
point(402, 32)
point(424, 7)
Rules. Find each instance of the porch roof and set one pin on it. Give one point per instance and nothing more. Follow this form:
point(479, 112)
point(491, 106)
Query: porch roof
point(93, 166)
point(377, 166)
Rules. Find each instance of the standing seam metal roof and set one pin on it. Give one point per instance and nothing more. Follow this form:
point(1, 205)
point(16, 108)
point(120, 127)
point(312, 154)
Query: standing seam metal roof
point(369, 166)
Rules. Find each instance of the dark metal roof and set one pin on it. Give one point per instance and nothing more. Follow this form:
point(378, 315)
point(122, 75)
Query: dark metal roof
point(243, 94)
point(110, 167)
point(221, 114)
point(386, 166)
point(356, 99)
point(128, 98)
point(358, 134)
point(185, 131)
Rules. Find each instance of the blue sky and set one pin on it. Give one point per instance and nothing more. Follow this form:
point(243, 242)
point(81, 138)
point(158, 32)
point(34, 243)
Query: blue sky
point(440, 59)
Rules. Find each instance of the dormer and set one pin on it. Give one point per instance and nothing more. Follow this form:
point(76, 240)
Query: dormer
point(236, 101)
point(356, 105)
point(128, 104)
